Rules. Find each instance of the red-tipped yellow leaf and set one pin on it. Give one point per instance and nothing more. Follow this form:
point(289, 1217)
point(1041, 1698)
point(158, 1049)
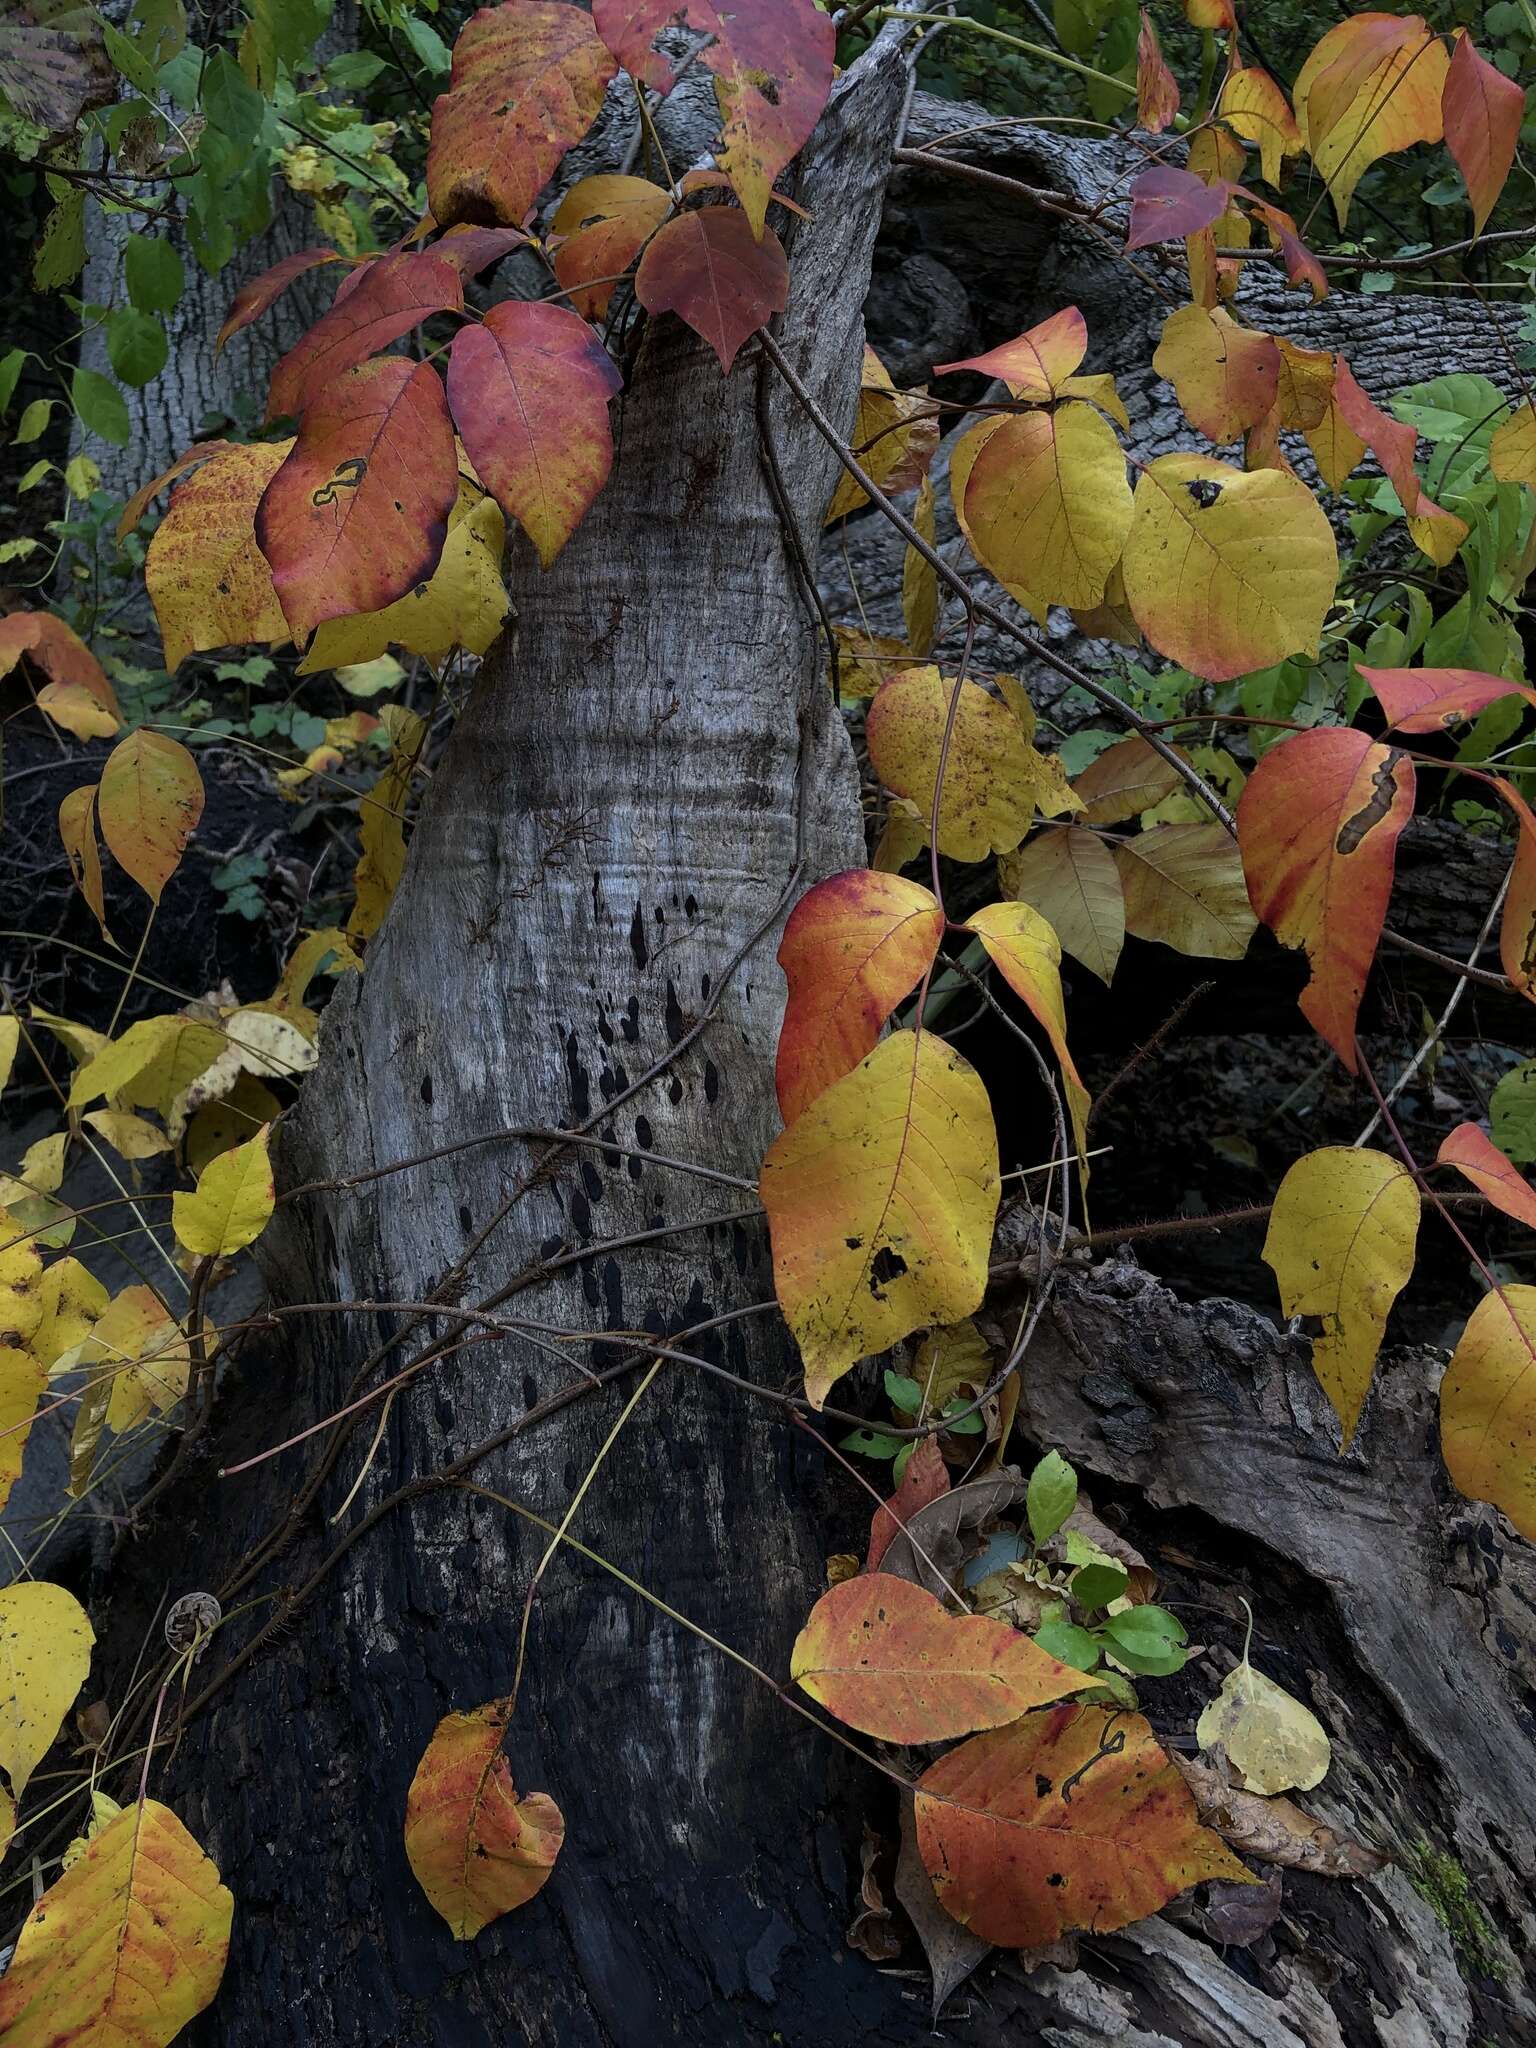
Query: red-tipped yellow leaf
point(1318, 824)
point(1228, 571)
point(1253, 106)
point(1482, 110)
point(149, 802)
point(852, 949)
point(881, 1199)
point(1026, 952)
point(1430, 699)
point(889, 1659)
point(772, 62)
point(1070, 877)
point(529, 388)
point(1157, 90)
point(707, 269)
point(126, 1947)
point(1340, 1245)
point(1488, 1406)
point(527, 82)
point(1475, 1156)
point(1047, 504)
point(207, 579)
point(606, 222)
point(77, 694)
point(1033, 365)
point(476, 1849)
point(1227, 376)
point(358, 513)
point(1069, 1819)
point(253, 299)
point(1371, 86)
point(397, 294)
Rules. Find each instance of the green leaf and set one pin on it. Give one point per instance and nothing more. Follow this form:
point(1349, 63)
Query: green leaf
point(870, 1443)
point(1512, 1108)
point(1068, 1644)
point(154, 273)
point(100, 406)
point(233, 107)
point(136, 345)
point(1050, 1498)
point(427, 46)
point(60, 254)
point(904, 1394)
point(353, 70)
point(162, 28)
point(128, 59)
point(1097, 1584)
point(1147, 1639)
point(34, 418)
point(10, 372)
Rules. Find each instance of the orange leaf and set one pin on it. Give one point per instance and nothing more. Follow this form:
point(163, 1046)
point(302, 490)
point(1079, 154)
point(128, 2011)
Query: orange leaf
point(707, 269)
point(1483, 111)
point(358, 513)
point(77, 830)
point(1476, 1158)
point(1026, 952)
point(527, 82)
point(1488, 1406)
point(397, 294)
point(474, 1847)
point(852, 948)
point(1033, 365)
point(1226, 376)
point(253, 299)
point(1157, 90)
point(1429, 699)
point(529, 388)
point(606, 221)
point(1370, 87)
point(77, 694)
point(1393, 443)
point(138, 504)
point(887, 1658)
point(1517, 929)
point(773, 70)
point(1318, 825)
point(207, 579)
point(150, 800)
point(1073, 1818)
point(926, 1477)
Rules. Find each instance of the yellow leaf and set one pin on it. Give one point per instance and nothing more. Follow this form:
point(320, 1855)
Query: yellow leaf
point(1046, 499)
point(1069, 876)
point(894, 437)
point(256, 1040)
point(207, 580)
point(127, 1947)
point(329, 951)
point(104, 1810)
point(1340, 1245)
point(45, 1654)
point(881, 1199)
point(1512, 450)
point(149, 1066)
point(21, 1268)
point(229, 1121)
point(864, 660)
point(7, 1820)
point(1305, 388)
point(1184, 887)
point(78, 1040)
point(964, 456)
point(462, 604)
point(382, 860)
point(231, 1205)
point(131, 1137)
point(1226, 376)
point(1027, 953)
point(71, 1299)
point(1273, 1742)
point(138, 1352)
point(1371, 86)
point(10, 1038)
point(1488, 1406)
point(475, 1848)
point(1228, 571)
point(919, 578)
point(1100, 390)
point(149, 802)
point(40, 1172)
point(1253, 106)
point(77, 835)
point(23, 1377)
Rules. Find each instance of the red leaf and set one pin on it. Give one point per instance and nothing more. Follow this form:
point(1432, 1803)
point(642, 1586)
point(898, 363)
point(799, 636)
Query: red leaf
point(358, 513)
point(1157, 90)
point(1483, 111)
point(772, 62)
point(1318, 825)
point(398, 293)
point(706, 268)
point(1167, 202)
point(1477, 1159)
point(852, 949)
point(1036, 364)
point(528, 81)
point(253, 299)
point(1392, 442)
point(1301, 266)
point(1430, 699)
point(471, 250)
point(926, 1477)
point(1517, 930)
point(529, 390)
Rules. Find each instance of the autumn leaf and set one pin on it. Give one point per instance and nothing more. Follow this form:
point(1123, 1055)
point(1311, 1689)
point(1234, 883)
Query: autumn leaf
point(1305, 386)
point(1488, 1406)
point(149, 802)
point(1477, 1159)
point(1226, 376)
point(382, 860)
point(1431, 699)
point(529, 388)
point(398, 293)
point(77, 694)
point(473, 250)
point(1157, 90)
point(1026, 952)
point(1070, 877)
point(1482, 111)
point(476, 1849)
point(127, 1946)
point(1517, 927)
point(207, 579)
point(1126, 779)
point(45, 1655)
point(1047, 503)
point(1318, 824)
point(1393, 442)
point(880, 1199)
point(605, 221)
point(1371, 86)
point(1167, 203)
point(993, 778)
point(853, 947)
point(77, 833)
point(1340, 1245)
point(231, 1204)
point(1183, 887)
point(1228, 571)
point(137, 1354)
point(358, 513)
point(773, 70)
point(148, 1065)
point(926, 1477)
point(706, 267)
point(1512, 447)
point(23, 1376)
point(1254, 107)
point(886, 1657)
point(1066, 1819)
point(1271, 1740)
point(255, 298)
point(131, 1137)
point(895, 434)
point(1035, 365)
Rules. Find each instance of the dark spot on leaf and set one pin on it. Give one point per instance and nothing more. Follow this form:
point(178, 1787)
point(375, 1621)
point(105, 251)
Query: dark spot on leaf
point(885, 1267)
point(1383, 790)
